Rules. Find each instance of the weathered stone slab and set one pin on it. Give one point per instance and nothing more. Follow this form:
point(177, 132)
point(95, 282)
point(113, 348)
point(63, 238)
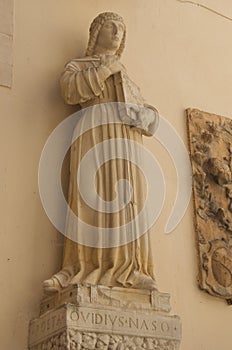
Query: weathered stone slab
point(70, 325)
point(6, 16)
point(137, 299)
point(6, 49)
point(5, 74)
point(6, 42)
point(6, 60)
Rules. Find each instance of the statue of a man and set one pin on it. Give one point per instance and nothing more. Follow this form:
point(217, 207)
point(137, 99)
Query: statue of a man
point(99, 79)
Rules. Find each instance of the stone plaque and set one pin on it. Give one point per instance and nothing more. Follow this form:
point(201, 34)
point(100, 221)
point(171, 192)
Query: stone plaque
point(210, 142)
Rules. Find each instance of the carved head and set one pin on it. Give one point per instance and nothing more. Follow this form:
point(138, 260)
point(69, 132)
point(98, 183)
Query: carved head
point(98, 24)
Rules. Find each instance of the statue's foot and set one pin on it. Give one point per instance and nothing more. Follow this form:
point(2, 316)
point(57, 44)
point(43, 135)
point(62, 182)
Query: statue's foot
point(142, 281)
point(51, 286)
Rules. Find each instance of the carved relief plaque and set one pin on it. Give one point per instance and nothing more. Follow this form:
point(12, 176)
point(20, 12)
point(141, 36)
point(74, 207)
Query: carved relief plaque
point(210, 142)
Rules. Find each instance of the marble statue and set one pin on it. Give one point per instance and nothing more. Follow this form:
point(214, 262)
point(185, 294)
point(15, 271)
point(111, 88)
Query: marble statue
point(97, 79)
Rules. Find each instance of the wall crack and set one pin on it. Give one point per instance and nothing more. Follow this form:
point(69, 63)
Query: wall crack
point(206, 8)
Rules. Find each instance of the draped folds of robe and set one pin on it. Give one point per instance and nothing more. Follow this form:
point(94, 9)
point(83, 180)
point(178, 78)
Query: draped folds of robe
point(88, 83)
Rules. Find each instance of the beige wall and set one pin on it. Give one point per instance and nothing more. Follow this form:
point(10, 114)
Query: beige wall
point(181, 57)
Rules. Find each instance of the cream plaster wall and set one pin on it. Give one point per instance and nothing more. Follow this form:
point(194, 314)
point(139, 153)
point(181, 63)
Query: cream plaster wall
point(181, 57)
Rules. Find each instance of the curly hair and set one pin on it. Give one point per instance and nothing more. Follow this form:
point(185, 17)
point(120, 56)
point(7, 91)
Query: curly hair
point(96, 27)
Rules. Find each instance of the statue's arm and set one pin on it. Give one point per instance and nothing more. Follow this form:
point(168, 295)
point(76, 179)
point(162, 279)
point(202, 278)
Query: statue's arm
point(149, 119)
point(83, 81)
point(154, 121)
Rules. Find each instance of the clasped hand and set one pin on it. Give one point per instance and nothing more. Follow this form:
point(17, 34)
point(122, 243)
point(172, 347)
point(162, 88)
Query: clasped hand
point(111, 62)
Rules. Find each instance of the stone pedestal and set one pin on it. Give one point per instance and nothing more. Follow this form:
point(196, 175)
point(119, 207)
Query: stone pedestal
point(98, 317)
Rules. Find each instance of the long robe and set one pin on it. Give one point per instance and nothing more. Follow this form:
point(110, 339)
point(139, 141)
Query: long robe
point(88, 83)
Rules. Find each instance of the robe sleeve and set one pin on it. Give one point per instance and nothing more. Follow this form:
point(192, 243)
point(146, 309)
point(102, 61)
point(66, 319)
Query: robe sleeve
point(80, 84)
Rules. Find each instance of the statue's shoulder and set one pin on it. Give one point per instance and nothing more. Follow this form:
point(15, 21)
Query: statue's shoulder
point(83, 62)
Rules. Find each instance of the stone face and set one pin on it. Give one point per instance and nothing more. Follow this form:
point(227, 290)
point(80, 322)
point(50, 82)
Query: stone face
point(90, 323)
point(210, 140)
point(6, 42)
